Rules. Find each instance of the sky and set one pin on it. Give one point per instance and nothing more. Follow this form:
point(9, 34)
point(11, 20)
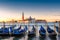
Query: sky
point(39, 9)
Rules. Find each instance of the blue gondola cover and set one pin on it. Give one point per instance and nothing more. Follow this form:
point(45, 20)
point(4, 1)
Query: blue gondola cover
point(49, 30)
point(42, 31)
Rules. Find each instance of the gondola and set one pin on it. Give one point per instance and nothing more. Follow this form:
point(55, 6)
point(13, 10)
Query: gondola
point(19, 31)
point(42, 31)
point(1, 31)
point(5, 31)
point(51, 32)
point(32, 32)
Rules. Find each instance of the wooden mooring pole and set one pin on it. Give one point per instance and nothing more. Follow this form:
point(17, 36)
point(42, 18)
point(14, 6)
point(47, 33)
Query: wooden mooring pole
point(55, 28)
point(37, 30)
point(46, 24)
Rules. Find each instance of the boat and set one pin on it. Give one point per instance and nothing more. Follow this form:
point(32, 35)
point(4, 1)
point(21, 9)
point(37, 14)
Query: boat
point(51, 31)
point(19, 31)
point(4, 31)
point(32, 32)
point(42, 31)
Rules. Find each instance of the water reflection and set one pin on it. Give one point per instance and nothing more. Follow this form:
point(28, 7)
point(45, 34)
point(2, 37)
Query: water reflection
point(4, 38)
point(31, 38)
point(53, 38)
point(16, 38)
point(19, 38)
point(58, 37)
point(42, 38)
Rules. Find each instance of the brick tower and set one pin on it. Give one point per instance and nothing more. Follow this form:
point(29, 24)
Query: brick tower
point(22, 16)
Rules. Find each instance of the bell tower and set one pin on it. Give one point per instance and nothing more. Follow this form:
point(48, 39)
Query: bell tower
point(22, 16)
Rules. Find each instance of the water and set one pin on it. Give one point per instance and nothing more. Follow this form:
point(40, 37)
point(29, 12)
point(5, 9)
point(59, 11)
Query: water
point(31, 38)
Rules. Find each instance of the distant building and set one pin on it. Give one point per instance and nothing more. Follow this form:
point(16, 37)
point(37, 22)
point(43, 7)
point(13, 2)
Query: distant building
point(30, 19)
point(33, 20)
point(40, 21)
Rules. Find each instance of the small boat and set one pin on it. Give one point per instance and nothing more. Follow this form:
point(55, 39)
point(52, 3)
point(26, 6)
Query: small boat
point(42, 31)
point(19, 31)
point(5, 31)
point(32, 32)
point(51, 31)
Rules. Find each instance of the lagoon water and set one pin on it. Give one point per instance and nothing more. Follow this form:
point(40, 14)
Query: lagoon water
point(31, 38)
point(37, 34)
